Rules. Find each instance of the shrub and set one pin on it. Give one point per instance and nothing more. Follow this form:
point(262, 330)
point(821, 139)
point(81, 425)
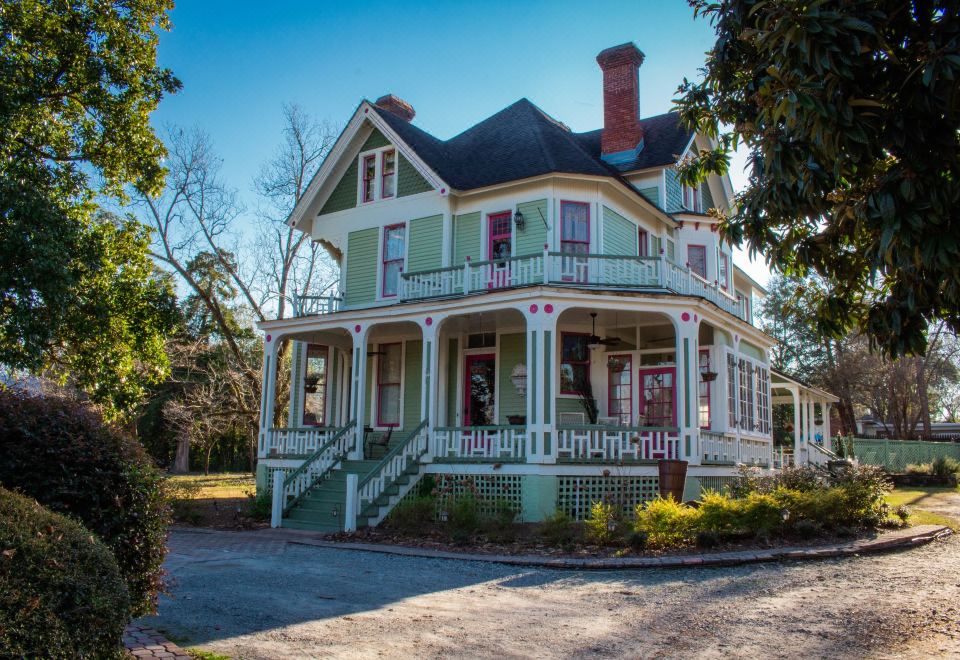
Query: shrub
point(61, 592)
point(601, 526)
point(413, 516)
point(558, 529)
point(807, 529)
point(903, 513)
point(638, 540)
point(754, 480)
point(463, 518)
point(667, 522)
point(62, 453)
point(804, 478)
point(260, 506)
point(864, 490)
point(706, 539)
point(944, 467)
point(919, 468)
point(500, 527)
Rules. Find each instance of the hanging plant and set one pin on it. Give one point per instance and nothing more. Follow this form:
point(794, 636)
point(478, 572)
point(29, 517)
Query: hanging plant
point(708, 376)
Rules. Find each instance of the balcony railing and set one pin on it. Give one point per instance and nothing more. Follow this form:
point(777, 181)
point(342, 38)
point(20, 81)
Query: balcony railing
point(577, 270)
point(311, 305)
point(616, 443)
point(483, 443)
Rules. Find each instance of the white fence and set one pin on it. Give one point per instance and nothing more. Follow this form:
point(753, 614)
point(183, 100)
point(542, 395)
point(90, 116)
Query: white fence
point(297, 441)
point(717, 447)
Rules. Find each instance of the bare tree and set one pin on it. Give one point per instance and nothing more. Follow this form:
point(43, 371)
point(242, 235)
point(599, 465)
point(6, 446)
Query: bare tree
point(198, 219)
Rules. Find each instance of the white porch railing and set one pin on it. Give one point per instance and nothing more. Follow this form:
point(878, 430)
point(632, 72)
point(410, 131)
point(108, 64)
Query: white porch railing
point(566, 269)
point(818, 454)
point(614, 443)
point(313, 470)
point(312, 305)
point(391, 466)
point(480, 443)
point(298, 441)
point(756, 451)
point(717, 447)
point(782, 458)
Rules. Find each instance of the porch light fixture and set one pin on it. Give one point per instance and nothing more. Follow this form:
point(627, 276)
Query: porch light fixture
point(336, 511)
point(519, 379)
point(519, 220)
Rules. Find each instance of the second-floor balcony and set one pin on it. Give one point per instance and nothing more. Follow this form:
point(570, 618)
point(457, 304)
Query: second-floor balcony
point(655, 274)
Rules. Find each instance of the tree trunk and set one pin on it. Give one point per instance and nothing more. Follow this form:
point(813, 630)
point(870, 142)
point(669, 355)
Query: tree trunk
point(924, 395)
point(181, 462)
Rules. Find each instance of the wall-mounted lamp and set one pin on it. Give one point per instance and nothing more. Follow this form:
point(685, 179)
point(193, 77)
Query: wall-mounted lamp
point(519, 220)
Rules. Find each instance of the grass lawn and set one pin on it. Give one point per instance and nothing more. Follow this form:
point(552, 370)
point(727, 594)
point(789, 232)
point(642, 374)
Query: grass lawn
point(222, 500)
point(929, 506)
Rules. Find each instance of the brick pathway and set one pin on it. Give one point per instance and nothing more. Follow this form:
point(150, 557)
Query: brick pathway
point(145, 642)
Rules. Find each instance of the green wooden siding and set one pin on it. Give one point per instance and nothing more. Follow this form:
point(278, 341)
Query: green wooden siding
point(706, 195)
point(534, 234)
point(412, 383)
point(375, 141)
point(652, 193)
point(619, 234)
point(453, 358)
point(426, 244)
point(513, 351)
point(344, 195)
point(409, 181)
point(570, 405)
point(361, 281)
point(466, 238)
point(674, 191)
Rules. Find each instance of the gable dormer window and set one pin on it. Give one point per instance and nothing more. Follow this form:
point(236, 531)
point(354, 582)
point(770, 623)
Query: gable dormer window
point(691, 199)
point(378, 174)
point(388, 179)
point(369, 177)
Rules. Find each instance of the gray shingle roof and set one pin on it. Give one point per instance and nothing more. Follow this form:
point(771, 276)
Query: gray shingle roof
point(522, 141)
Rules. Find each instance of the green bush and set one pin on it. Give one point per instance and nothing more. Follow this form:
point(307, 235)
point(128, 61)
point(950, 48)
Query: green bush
point(667, 522)
point(61, 592)
point(558, 529)
point(919, 468)
point(463, 518)
point(944, 467)
point(602, 524)
point(63, 454)
point(413, 516)
point(260, 506)
point(500, 527)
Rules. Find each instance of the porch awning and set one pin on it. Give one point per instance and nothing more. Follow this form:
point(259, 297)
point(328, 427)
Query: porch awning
point(780, 380)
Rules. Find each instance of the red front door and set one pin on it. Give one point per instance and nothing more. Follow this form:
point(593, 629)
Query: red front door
point(658, 405)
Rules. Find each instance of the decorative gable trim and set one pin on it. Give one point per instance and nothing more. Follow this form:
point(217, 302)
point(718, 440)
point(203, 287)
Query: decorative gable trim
point(321, 186)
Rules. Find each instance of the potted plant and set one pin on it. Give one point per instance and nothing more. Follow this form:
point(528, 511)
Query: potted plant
point(708, 376)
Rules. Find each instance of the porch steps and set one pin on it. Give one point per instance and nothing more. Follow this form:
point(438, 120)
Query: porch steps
point(315, 512)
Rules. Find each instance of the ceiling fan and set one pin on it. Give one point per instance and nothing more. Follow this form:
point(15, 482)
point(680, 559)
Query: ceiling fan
point(593, 341)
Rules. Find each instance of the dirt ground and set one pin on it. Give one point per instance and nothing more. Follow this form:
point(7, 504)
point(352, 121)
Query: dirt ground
point(251, 595)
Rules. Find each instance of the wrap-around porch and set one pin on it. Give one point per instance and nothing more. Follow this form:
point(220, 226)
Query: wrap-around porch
point(617, 382)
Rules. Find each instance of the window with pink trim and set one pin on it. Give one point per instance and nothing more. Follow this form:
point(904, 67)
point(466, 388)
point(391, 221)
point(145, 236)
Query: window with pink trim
point(369, 176)
point(643, 243)
point(724, 268)
point(697, 258)
point(389, 370)
point(691, 199)
point(394, 238)
point(703, 414)
point(574, 240)
point(388, 179)
point(619, 388)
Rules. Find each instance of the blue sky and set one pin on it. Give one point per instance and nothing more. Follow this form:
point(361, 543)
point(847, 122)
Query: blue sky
point(456, 63)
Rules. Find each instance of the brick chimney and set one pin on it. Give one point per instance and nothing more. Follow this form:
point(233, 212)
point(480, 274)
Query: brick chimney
point(622, 136)
point(397, 106)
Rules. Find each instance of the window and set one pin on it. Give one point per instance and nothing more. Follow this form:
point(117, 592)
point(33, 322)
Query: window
point(703, 410)
point(746, 396)
point(691, 199)
point(697, 258)
point(369, 176)
point(315, 386)
point(388, 179)
point(619, 388)
point(671, 251)
point(574, 363)
point(732, 390)
point(500, 233)
point(643, 240)
point(389, 369)
point(763, 400)
point(574, 240)
point(393, 249)
point(724, 268)
point(656, 246)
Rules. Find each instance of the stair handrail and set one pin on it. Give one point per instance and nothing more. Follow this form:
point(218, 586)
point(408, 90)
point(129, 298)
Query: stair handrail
point(392, 465)
point(298, 482)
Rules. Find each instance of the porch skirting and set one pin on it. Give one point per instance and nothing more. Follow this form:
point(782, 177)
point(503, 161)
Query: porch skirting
point(537, 491)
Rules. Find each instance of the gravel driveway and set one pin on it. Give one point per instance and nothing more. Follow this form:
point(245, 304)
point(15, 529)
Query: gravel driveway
point(247, 595)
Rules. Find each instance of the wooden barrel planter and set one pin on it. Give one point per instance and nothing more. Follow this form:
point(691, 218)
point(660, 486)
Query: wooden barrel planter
point(673, 478)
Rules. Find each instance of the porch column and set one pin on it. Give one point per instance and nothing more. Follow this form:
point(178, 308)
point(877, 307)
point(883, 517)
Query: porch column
point(826, 423)
point(541, 374)
point(430, 374)
point(359, 387)
point(268, 386)
point(808, 427)
point(798, 446)
point(687, 334)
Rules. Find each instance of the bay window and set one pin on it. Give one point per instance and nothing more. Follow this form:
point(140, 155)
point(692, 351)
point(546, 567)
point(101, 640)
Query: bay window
point(574, 240)
point(723, 266)
point(703, 411)
point(697, 259)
